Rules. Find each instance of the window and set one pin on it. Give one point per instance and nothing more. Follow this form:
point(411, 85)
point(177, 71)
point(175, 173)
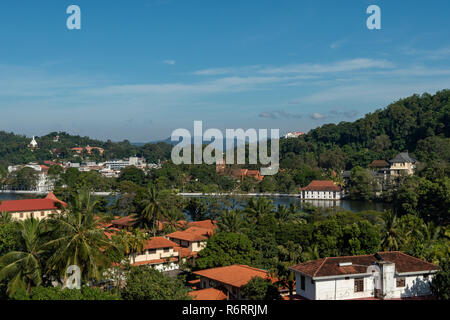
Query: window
point(302, 282)
point(42, 213)
point(166, 250)
point(401, 282)
point(21, 214)
point(359, 284)
point(152, 251)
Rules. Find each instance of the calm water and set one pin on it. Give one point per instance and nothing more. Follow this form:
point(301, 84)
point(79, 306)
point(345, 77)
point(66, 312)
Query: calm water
point(351, 205)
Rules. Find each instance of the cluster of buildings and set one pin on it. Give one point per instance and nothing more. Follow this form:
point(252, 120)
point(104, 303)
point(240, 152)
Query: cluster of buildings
point(167, 252)
point(384, 275)
point(112, 168)
point(44, 182)
point(240, 174)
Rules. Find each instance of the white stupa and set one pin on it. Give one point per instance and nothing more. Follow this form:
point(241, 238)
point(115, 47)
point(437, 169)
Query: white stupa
point(33, 143)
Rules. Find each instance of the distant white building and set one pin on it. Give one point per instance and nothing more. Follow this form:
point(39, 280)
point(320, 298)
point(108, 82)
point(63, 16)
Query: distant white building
point(385, 275)
point(293, 134)
point(44, 182)
point(120, 164)
point(322, 190)
point(33, 144)
point(402, 163)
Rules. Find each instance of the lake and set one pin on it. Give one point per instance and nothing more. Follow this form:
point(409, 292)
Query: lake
point(351, 205)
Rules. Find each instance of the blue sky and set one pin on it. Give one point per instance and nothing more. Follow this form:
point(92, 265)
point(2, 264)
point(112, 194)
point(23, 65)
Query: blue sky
point(140, 69)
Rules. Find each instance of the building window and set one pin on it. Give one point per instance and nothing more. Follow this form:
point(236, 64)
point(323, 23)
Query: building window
point(153, 251)
point(359, 285)
point(302, 282)
point(166, 250)
point(401, 282)
point(21, 214)
point(42, 213)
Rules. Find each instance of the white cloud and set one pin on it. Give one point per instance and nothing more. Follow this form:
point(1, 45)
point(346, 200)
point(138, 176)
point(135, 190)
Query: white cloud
point(317, 116)
point(341, 66)
point(169, 62)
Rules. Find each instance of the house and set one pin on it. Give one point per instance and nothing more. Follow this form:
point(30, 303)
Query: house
point(385, 275)
point(159, 253)
point(124, 223)
point(229, 279)
point(322, 190)
point(191, 239)
point(403, 163)
point(36, 208)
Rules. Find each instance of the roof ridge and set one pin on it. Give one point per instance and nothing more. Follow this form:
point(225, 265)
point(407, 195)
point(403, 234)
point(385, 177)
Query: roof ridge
point(324, 259)
point(411, 257)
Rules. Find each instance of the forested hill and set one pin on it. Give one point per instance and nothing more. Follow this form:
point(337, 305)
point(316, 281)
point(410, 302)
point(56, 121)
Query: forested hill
point(419, 124)
point(14, 148)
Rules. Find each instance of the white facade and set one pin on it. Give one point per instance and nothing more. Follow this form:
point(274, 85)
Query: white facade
point(387, 284)
point(321, 195)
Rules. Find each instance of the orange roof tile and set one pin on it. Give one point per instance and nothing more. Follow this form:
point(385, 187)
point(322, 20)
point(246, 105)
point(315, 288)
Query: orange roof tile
point(236, 275)
point(29, 205)
point(208, 294)
point(207, 224)
point(322, 185)
point(159, 242)
point(186, 236)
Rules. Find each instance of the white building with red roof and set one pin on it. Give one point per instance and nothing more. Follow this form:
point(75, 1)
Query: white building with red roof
point(159, 253)
point(322, 190)
point(385, 275)
point(36, 208)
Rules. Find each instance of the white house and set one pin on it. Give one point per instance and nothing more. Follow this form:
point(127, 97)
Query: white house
point(385, 275)
point(402, 163)
point(159, 253)
point(322, 190)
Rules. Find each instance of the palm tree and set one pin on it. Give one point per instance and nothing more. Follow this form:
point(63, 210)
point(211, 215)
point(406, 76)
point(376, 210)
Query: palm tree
point(78, 240)
point(392, 237)
point(311, 253)
point(5, 217)
point(231, 221)
point(172, 219)
point(133, 243)
point(258, 208)
point(288, 255)
point(23, 268)
point(153, 210)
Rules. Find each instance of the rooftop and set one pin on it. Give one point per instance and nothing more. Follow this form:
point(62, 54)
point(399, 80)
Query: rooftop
point(236, 275)
point(402, 158)
point(187, 236)
point(27, 205)
point(322, 185)
point(159, 242)
point(208, 294)
point(330, 266)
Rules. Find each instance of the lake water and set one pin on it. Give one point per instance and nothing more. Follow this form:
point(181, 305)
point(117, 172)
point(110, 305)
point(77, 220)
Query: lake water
point(351, 205)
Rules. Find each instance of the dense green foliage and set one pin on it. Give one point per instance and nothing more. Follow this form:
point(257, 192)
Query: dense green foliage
point(260, 289)
point(144, 283)
point(56, 293)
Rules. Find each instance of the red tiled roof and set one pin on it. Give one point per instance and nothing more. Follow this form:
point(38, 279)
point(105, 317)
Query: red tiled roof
point(186, 236)
point(30, 205)
point(124, 221)
point(185, 252)
point(236, 275)
point(207, 224)
point(330, 266)
point(159, 242)
point(155, 261)
point(379, 164)
point(52, 196)
point(208, 294)
point(322, 185)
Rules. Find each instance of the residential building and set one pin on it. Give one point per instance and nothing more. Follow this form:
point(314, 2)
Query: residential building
point(33, 208)
point(385, 275)
point(403, 163)
point(159, 253)
point(123, 223)
point(322, 190)
point(229, 279)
